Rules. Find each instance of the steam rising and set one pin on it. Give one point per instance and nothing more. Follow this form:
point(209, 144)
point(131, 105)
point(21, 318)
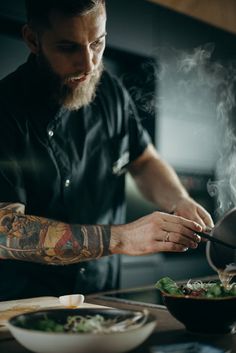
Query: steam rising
point(194, 78)
point(141, 86)
point(225, 186)
point(202, 88)
point(208, 88)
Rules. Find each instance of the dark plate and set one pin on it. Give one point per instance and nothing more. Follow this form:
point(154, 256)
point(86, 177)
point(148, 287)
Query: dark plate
point(203, 315)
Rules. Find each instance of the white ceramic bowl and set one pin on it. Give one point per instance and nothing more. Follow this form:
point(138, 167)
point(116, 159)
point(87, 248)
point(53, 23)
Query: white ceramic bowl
point(72, 300)
point(56, 342)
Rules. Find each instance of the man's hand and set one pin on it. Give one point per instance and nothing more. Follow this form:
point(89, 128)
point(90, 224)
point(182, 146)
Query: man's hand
point(154, 233)
point(160, 184)
point(188, 208)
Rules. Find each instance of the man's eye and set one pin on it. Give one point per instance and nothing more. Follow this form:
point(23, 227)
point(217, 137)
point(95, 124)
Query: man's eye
point(97, 44)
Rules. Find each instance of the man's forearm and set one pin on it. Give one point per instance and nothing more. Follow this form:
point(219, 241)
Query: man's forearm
point(38, 239)
point(168, 190)
point(157, 180)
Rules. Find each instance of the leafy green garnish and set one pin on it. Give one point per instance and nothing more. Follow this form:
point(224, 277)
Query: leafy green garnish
point(48, 325)
point(94, 323)
point(196, 288)
point(167, 285)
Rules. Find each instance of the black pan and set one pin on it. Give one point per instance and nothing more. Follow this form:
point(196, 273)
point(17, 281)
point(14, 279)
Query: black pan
point(219, 255)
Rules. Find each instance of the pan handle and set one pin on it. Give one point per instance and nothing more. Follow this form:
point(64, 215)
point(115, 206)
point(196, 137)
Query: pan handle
point(215, 240)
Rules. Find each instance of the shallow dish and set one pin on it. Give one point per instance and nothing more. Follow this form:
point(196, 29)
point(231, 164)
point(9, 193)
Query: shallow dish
point(64, 342)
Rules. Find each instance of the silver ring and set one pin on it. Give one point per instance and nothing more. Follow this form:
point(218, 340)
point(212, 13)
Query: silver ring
point(166, 237)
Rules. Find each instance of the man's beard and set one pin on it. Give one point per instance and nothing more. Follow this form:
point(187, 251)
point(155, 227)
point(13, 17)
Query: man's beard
point(62, 93)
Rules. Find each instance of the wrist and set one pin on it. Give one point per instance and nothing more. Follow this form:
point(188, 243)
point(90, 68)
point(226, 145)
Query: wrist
point(116, 243)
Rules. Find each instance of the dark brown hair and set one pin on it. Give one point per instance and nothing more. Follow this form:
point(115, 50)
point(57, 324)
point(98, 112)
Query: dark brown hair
point(38, 11)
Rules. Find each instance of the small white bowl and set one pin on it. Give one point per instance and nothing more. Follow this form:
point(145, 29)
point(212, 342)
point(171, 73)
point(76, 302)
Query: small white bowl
point(72, 300)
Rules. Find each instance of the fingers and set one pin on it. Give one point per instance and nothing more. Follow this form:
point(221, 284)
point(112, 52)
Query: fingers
point(168, 247)
point(171, 245)
point(193, 215)
point(176, 233)
point(190, 209)
point(170, 239)
point(205, 216)
point(200, 221)
point(177, 220)
point(181, 228)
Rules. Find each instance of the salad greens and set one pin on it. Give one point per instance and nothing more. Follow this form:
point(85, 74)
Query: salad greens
point(196, 289)
point(74, 324)
point(95, 324)
point(48, 325)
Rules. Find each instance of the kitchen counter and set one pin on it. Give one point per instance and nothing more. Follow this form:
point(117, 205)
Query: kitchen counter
point(168, 330)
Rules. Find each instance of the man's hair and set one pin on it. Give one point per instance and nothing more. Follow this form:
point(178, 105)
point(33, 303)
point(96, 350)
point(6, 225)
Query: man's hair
point(38, 11)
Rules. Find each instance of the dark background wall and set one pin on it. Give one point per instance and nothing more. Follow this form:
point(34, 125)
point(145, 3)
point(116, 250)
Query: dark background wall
point(187, 135)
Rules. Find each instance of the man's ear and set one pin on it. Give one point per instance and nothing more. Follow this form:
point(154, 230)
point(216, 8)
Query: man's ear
point(31, 39)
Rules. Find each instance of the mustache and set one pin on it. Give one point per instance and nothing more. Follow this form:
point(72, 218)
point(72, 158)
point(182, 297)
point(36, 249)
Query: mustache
point(77, 76)
point(92, 74)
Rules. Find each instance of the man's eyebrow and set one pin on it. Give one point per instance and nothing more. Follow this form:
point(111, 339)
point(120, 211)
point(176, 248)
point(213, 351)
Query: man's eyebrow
point(71, 42)
point(101, 36)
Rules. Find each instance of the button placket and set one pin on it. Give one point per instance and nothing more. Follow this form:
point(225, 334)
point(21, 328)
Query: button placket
point(50, 133)
point(67, 183)
point(54, 138)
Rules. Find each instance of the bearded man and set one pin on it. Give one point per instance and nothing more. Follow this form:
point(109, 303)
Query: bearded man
point(69, 132)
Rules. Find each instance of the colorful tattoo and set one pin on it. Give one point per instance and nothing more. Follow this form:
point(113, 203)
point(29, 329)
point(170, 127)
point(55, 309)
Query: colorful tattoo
point(38, 239)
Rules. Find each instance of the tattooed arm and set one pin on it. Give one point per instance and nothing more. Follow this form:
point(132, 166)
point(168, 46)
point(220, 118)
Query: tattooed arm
point(38, 239)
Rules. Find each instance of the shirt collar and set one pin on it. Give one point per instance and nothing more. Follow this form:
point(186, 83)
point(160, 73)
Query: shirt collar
point(38, 88)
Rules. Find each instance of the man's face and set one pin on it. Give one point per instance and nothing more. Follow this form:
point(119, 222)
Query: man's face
point(71, 56)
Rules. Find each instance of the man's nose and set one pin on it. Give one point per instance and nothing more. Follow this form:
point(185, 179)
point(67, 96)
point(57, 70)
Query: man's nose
point(84, 62)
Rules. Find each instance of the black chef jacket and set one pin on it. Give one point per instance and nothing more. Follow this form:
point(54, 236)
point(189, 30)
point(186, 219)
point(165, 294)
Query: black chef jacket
point(68, 166)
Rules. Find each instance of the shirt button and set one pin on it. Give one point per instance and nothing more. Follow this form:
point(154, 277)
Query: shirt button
point(50, 133)
point(67, 183)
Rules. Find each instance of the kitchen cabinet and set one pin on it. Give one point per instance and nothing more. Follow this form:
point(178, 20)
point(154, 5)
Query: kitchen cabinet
point(147, 270)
